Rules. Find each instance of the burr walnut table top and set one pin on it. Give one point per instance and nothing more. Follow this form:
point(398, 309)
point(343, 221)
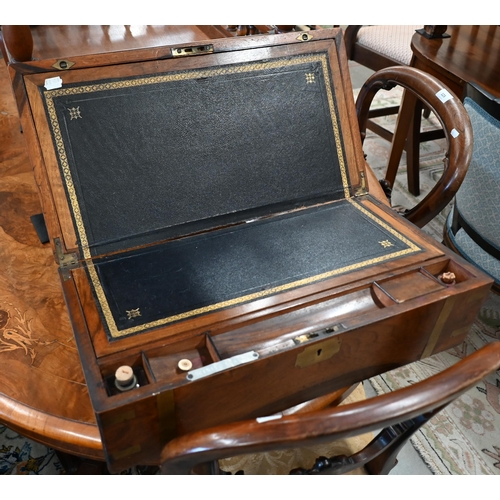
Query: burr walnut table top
point(43, 393)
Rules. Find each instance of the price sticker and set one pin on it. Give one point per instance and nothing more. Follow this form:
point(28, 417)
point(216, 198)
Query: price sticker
point(53, 83)
point(443, 95)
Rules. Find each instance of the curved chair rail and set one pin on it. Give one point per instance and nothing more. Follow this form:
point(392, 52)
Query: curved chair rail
point(455, 122)
point(400, 412)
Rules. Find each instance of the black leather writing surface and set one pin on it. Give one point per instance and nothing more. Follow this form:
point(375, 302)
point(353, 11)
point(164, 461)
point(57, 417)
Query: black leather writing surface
point(142, 155)
point(198, 274)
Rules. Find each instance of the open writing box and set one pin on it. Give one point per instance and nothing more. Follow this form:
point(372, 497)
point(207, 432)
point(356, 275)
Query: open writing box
point(214, 208)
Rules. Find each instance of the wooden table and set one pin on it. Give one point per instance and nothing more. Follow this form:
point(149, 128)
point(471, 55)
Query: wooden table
point(43, 394)
point(469, 54)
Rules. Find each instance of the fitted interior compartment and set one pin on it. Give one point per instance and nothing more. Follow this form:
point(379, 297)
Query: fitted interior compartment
point(164, 361)
point(409, 286)
point(298, 326)
point(450, 266)
point(420, 282)
point(139, 365)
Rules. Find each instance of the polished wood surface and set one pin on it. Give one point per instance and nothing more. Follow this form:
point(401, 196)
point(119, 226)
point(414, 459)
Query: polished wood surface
point(469, 54)
point(43, 42)
point(399, 414)
point(43, 392)
point(66, 41)
point(20, 42)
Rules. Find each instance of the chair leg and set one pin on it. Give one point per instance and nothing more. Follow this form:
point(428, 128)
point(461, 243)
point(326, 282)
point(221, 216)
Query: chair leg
point(396, 437)
point(413, 151)
point(403, 125)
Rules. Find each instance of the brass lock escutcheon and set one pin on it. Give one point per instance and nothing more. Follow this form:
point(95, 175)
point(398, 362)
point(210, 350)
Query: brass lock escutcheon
point(63, 64)
point(318, 352)
point(305, 37)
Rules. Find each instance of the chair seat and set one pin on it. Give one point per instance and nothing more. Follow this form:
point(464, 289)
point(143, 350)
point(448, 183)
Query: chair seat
point(390, 40)
point(472, 252)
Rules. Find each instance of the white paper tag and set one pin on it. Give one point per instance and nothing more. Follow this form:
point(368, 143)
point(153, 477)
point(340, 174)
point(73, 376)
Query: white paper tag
point(270, 417)
point(455, 133)
point(53, 83)
point(224, 364)
point(443, 95)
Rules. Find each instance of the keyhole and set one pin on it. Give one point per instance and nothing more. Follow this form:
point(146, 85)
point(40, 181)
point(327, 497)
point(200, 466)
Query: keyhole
point(319, 352)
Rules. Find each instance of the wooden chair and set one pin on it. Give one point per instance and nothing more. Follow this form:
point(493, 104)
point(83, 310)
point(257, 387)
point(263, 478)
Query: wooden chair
point(399, 414)
point(473, 226)
point(382, 46)
point(456, 128)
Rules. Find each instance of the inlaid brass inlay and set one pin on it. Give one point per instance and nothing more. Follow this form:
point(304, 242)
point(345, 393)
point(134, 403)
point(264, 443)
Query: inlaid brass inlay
point(133, 313)
point(63, 64)
point(192, 51)
point(310, 78)
point(440, 324)
point(305, 37)
point(118, 417)
point(386, 243)
point(127, 452)
point(74, 113)
point(318, 352)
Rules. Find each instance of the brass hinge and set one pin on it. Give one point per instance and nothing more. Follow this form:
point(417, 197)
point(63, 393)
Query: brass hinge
point(362, 189)
point(193, 51)
point(66, 261)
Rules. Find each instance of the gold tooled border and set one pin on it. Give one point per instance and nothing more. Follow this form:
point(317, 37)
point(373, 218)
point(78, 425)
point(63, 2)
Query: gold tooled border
point(193, 74)
point(412, 248)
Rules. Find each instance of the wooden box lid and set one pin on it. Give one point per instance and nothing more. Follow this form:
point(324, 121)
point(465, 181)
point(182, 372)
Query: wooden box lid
point(145, 152)
point(250, 148)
